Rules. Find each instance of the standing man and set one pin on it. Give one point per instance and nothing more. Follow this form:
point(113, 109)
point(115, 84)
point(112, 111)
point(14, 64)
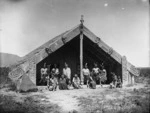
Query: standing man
point(86, 74)
point(103, 74)
point(67, 72)
point(96, 72)
point(43, 74)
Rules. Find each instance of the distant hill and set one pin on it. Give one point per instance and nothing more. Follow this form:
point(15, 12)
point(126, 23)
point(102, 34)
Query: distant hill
point(8, 59)
point(144, 71)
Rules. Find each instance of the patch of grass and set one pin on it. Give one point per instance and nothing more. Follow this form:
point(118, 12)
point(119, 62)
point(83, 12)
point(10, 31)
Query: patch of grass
point(29, 105)
point(129, 104)
point(5, 81)
point(144, 78)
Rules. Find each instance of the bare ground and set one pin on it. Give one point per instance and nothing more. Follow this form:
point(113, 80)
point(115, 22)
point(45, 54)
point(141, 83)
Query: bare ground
point(100, 100)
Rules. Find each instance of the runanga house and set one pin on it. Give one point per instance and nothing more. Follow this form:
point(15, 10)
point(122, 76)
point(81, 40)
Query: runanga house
point(76, 47)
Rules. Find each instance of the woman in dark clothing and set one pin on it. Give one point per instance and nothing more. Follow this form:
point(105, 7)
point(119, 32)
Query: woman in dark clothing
point(62, 83)
point(92, 83)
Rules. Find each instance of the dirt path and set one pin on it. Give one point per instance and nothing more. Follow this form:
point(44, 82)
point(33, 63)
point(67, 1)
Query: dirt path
point(68, 100)
point(63, 99)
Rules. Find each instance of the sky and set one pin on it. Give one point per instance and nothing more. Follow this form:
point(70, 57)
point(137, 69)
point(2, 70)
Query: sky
point(122, 24)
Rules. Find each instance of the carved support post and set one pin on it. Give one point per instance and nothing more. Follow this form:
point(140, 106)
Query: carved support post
point(124, 71)
point(81, 49)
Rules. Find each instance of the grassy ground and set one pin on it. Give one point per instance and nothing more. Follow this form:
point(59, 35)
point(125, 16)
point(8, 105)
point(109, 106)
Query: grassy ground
point(100, 100)
point(131, 102)
point(26, 104)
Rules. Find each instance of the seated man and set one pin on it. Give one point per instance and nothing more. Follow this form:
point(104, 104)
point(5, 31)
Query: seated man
point(76, 82)
point(62, 83)
point(119, 83)
point(53, 83)
point(113, 84)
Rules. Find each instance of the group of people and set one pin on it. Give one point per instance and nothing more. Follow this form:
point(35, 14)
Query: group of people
point(53, 78)
point(116, 81)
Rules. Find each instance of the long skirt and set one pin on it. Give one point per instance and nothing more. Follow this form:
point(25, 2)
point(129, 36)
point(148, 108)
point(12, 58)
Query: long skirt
point(92, 85)
point(95, 76)
point(63, 86)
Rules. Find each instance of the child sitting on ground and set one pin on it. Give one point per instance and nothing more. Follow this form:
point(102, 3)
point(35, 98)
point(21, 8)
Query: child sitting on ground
point(53, 83)
point(76, 82)
point(70, 87)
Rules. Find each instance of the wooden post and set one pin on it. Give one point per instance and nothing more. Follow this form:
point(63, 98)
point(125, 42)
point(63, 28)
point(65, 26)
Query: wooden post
point(81, 57)
point(81, 49)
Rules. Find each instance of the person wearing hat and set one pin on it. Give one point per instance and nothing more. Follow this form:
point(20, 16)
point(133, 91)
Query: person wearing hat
point(86, 74)
point(76, 82)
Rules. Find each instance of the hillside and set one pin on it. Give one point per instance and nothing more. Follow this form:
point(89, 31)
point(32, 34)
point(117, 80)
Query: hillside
point(8, 59)
point(144, 71)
